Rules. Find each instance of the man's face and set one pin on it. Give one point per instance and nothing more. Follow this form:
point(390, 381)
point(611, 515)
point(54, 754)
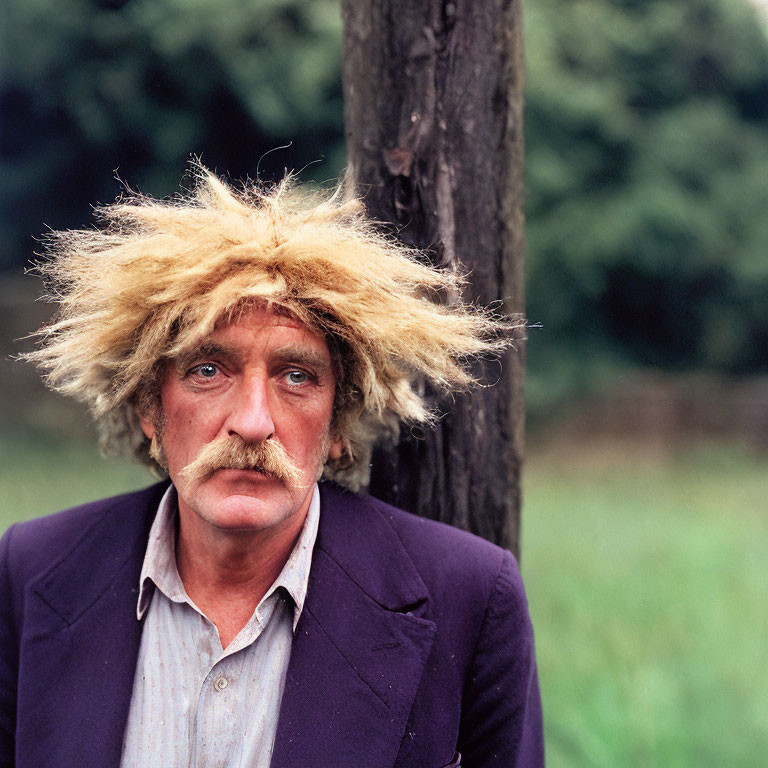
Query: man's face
point(265, 377)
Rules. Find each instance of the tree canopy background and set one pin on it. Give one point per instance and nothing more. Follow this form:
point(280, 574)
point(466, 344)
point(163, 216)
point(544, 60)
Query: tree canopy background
point(647, 152)
point(647, 167)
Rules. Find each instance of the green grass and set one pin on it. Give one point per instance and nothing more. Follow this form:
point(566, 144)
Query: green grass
point(648, 583)
point(39, 475)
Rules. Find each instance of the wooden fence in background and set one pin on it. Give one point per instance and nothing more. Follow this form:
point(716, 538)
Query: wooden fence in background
point(666, 408)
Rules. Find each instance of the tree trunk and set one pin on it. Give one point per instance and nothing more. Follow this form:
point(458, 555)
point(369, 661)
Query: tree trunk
point(433, 109)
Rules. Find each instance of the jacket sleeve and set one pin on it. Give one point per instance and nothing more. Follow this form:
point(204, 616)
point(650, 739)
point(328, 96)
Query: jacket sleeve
point(9, 658)
point(501, 723)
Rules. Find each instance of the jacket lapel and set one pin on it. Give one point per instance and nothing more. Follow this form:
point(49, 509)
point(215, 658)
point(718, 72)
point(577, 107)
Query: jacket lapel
point(82, 641)
point(360, 645)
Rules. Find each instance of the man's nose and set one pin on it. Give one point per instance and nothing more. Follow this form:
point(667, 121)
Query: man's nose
point(250, 416)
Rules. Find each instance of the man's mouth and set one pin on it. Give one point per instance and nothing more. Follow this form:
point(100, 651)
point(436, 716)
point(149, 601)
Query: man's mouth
point(251, 470)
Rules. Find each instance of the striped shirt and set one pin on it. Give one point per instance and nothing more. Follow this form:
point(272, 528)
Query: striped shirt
point(194, 703)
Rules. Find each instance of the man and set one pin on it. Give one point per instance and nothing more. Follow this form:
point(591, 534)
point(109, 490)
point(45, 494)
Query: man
point(247, 344)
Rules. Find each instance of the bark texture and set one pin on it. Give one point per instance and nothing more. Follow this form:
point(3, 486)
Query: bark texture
point(433, 111)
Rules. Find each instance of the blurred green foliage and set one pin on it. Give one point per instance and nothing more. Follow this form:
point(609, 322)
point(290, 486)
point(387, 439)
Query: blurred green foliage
point(647, 151)
point(647, 161)
point(91, 88)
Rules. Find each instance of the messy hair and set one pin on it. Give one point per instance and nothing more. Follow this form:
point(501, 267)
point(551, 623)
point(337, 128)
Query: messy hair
point(157, 276)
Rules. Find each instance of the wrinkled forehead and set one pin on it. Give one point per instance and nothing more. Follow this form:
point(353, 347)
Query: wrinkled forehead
point(267, 328)
point(246, 312)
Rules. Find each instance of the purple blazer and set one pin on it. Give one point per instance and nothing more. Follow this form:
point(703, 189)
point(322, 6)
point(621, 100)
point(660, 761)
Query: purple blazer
point(414, 643)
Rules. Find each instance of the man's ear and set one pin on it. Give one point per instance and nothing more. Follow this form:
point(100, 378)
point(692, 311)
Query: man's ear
point(147, 426)
point(148, 407)
point(335, 452)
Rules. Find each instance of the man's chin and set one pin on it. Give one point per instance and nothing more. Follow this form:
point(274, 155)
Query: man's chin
point(231, 502)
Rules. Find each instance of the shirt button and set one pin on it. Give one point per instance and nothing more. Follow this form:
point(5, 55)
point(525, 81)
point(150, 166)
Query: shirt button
point(221, 683)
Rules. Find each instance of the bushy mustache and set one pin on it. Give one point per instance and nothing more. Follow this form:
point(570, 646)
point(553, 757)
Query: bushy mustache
point(232, 452)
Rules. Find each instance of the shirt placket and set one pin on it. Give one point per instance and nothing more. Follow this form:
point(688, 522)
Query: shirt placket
point(216, 726)
point(217, 719)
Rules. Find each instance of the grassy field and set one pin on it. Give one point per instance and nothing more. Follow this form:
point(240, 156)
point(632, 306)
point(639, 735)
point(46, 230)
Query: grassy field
point(42, 474)
point(648, 582)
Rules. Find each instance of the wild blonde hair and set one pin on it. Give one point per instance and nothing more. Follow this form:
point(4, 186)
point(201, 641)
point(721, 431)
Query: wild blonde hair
point(159, 275)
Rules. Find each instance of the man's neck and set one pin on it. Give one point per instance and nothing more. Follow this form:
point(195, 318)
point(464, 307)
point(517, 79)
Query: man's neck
point(227, 573)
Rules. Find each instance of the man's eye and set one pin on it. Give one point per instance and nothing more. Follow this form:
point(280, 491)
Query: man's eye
point(206, 370)
point(296, 377)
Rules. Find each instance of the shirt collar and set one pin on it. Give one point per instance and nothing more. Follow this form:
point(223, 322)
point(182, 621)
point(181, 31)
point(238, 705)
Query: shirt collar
point(159, 566)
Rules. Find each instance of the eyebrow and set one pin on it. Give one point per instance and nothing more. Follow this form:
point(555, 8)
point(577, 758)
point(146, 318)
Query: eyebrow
point(294, 354)
point(206, 349)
